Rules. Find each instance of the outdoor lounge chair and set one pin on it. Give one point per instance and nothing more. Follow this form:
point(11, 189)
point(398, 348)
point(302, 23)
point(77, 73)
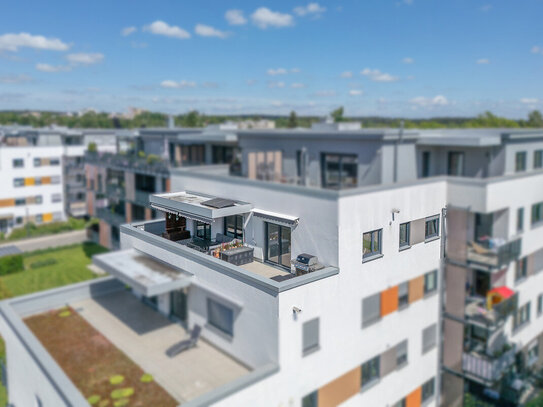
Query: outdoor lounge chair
point(186, 343)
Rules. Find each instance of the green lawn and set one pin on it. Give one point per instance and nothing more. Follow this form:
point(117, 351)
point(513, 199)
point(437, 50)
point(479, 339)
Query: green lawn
point(70, 266)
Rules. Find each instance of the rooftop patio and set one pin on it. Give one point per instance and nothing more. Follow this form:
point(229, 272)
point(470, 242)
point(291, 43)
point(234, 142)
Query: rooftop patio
point(144, 335)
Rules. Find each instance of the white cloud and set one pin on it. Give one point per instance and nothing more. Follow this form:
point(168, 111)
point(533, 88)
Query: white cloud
point(177, 85)
point(13, 79)
point(263, 18)
point(128, 30)
point(346, 74)
point(235, 17)
point(377, 76)
point(438, 100)
point(53, 68)
point(85, 59)
point(295, 70)
point(408, 60)
point(297, 85)
point(483, 61)
point(278, 71)
point(529, 101)
point(355, 92)
point(12, 42)
point(208, 31)
point(273, 85)
point(535, 50)
point(311, 8)
point(161, 28)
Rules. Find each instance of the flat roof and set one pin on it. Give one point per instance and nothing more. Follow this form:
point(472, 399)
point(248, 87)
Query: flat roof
point(142, 272)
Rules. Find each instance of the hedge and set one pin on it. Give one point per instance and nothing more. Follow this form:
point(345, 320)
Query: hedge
point(11, 264)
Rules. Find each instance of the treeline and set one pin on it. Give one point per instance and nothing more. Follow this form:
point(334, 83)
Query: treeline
point(195, 119)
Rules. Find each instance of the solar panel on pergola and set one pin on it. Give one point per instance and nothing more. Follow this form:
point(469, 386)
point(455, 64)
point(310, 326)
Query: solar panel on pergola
point(219, 203)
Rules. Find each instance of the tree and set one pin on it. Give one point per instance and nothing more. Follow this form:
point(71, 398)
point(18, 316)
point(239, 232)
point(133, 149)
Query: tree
point(191, 119)
point(91, 148)
point(535, 119)
point(337, 114)
point(292, 120)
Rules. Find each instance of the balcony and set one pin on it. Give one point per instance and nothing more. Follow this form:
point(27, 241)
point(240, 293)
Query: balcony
point(488, 369)
point(115, 190)
point(494, 253)
point(132, 163)
point(488, 314)
point(111, 217)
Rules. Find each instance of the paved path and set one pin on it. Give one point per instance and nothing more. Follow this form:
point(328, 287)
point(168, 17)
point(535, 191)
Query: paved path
point(45, 242)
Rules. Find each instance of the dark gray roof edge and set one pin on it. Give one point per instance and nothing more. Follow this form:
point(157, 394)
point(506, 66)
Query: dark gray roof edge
point(49, 367)
point(264, 284)
point(232, 387)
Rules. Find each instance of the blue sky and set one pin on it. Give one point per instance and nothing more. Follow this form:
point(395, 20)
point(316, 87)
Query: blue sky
point(411, 58)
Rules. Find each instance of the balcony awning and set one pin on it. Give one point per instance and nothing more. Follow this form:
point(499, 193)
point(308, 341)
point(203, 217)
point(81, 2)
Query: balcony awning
point(279, 218)
point(145, 274)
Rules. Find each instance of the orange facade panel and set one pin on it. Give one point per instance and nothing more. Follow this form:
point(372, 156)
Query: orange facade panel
point(168, 185)
point(47, 217)
point(7, 202)
point(389, 301)
point(29, 181)
point(416, 289)
point(45, 180)
point(414, 399)
point(341, 389)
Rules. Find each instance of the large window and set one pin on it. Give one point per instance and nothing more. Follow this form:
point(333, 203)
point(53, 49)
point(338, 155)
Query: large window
point(279, 243)
point(520, 220)
point(429, 338)
point(401, 353)
point(430, 282)
point(203, 230)
point(310, 336)
point(540, 304)
point(220, 317)
point(456, 164)
point(339, 170)
point(18, 182)
point(403, 295)
point(404, 234)
point(18, 163)
point(370, 372)
point(371, 309)
point(233, 226)
point(425, 164)
point(538, 159)
point(537, 213)
point(520, 161)
point(521, 269)
point(371, 243)
point(431, 229)
point(522, 316)
point(311, 400)
point(428, 390)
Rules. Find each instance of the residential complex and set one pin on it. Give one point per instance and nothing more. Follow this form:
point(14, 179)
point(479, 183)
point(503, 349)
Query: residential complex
point(336, 266)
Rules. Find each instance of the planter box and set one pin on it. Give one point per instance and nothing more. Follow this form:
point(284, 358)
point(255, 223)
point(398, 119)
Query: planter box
point(238, 256)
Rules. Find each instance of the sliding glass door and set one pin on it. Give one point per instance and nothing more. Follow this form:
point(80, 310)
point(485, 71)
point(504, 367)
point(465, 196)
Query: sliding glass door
point(279, 240)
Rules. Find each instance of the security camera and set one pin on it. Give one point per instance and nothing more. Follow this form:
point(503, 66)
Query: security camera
point(296, 310)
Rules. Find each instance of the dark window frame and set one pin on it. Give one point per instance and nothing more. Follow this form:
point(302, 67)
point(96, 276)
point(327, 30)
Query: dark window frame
point(206, 235)
point(434, 235)
point(407, 242)
point(520, 161)
point(521, 269)
point(18, 163)
point(238, 226)
point(228, 330)
point(520, 220)
point(462, 157)
point(373, 251)
point(538, 159)
point(373, 367)
point(430, 290)
point(428, 390)
point(426, 164)
point(326, 159)
point(537, 213)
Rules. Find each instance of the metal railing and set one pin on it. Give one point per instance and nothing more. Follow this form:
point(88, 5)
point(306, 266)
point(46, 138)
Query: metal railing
point(130, 162)
point(486, 368)
point(496, 257)
point(142, 197)
point(110, 217)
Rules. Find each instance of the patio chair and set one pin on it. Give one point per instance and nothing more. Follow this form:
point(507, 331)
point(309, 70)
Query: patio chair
point(186, 343)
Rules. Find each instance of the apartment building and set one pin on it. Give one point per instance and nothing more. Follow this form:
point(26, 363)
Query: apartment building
point(385, 268)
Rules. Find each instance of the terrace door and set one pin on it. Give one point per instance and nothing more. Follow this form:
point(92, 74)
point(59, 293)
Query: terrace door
point(279, 242)
point(178, 307)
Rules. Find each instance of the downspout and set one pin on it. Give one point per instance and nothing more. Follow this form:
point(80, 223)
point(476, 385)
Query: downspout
point(441, 291)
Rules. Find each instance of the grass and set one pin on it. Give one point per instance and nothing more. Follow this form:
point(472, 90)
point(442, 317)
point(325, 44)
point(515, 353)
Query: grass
point(90, 361)
point(67, 265)
point(33, 230)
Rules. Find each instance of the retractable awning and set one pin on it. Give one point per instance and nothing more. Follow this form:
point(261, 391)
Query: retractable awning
point(286, 220)
point(145, 274)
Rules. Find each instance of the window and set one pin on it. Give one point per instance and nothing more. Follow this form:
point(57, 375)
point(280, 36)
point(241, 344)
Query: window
point(370, 372)
point(537, 213)
point(538, 159)
point(18, 182)
point(428, 390)
point(456, 164)
point(19, 220)
point(401, 353)
point(431, 229)
point(20, 201)
point(311, 400)
point(400, 403)
point(425, 164)
point(429, 338)
point(371, 243)
point(220, 317)
point(37, 162)
point(55, 179)
point(310, 336)
point(520, 161)
point(18, 163)
point(533, 354)
point(522, 316)
point(54, 161)
point(203, 230)
point(37, 181)
point(56, 198)
point(233, 226)
point(430, 282)
point(540, 304)
point(39, 199)
point(339, 170)
point(403, 295)
point(371, 309)
point(278, 244)
point(520, 220)
point(38, 218)
point(404, 234)
point(521, 269)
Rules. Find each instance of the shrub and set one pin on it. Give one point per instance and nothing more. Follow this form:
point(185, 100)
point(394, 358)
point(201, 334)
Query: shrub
point(146, 378)
point(152, 158)
point(43, 263)
point(92, 400)
point(122, 393)
point(117, 379)
point(32, 230)
point(121, 402)
point(91, 148)
point(11, 264)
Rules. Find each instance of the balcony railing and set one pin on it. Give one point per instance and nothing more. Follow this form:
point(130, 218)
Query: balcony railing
point(142, 197)
point(110, 217)
point(115, 190)
point(494, 257)
point(128, 162)
point(488, 369)
point(476, 311)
